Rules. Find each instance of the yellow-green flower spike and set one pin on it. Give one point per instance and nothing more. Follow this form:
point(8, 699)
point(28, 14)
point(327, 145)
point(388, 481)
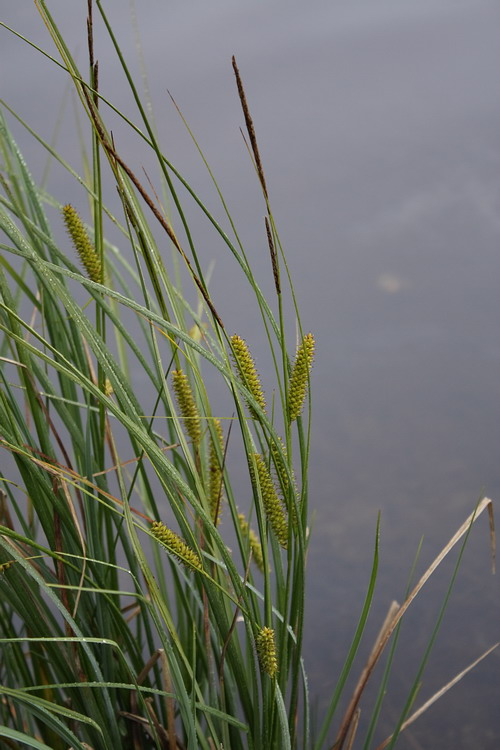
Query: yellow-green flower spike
point(246, 369)
point(187, 405)
point(272, 504)
point(83, 246)
point(6, 565)
point(266, 651)
point(215, 474)
point(253, 541)
point(300, 375)
point(279, 464)
point(281, 475)
point(175, 545)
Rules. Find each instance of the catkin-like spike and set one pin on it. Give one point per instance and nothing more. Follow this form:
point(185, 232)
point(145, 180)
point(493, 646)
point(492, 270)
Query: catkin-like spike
point(272, 504)
point(175, 545)
point(300, 375)
point(247, 371)
point(282, 475)
point(253, 541)
point(83, 246)
point(215, 474)
point(187, 405)
point(279, 464)
point(266, 651)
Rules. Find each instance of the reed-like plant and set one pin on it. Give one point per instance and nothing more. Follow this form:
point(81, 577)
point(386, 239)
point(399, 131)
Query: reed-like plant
point(125, 619)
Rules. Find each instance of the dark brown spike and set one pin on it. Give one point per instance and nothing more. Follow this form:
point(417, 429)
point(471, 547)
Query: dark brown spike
point(95, 83)
point(274, 259)
point(90, 34)
point(250, 128)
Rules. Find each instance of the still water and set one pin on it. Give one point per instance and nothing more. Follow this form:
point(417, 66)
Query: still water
point(378, 126)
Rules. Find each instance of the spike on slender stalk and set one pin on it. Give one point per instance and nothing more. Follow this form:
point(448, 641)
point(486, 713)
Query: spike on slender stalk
point(187, 405)
point(300, 376)
point(250, 127)
point(253, 540)
point(215, 474)
point(274, 257)
point(247, 371)
point(81, 241)
point(175, 545)
point(272, 504)
point(279, 464)
point(281, 475)
point(266, 651)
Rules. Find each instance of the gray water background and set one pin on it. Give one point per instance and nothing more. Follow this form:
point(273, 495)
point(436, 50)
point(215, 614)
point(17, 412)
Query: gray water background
point(378, 126)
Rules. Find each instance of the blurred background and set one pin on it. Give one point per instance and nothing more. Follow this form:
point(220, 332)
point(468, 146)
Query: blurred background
point(377, 122)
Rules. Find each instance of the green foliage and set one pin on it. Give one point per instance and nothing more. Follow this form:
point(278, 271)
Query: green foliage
point(117, 630)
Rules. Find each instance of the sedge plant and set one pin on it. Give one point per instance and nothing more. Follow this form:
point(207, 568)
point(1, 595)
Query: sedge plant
point(147, 600)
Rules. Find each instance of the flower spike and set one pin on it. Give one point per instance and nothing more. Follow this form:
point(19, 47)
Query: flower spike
point(83, 246)
point(300, 376)
point(215, 474)
point(187, 405)
point(266, 651)
point(253, 540)
point(272, 504)
point(175, 545)
point(247, 371)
